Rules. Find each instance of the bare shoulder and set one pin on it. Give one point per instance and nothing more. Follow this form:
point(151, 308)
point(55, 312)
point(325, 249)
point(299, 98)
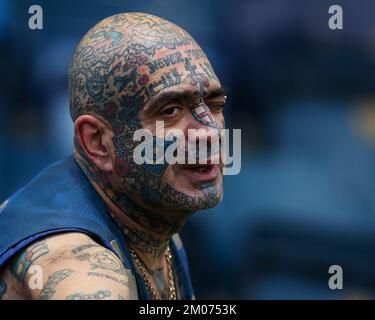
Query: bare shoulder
point(68, 266)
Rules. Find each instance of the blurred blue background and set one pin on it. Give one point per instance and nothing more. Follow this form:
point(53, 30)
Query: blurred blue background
point(304, 97)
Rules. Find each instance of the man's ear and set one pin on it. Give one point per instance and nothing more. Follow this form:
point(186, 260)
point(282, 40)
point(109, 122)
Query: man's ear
point(95, 138)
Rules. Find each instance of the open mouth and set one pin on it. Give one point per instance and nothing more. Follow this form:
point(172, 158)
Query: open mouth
point(201, 172)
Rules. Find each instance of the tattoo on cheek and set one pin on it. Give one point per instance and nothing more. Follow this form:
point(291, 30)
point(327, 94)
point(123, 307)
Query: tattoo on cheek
point(137, 180)
point(123, 150)
point(121, 166)
point(124, 164)
point(159, 146)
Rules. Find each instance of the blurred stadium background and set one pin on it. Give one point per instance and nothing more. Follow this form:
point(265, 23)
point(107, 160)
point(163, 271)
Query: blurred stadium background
point(304, 97)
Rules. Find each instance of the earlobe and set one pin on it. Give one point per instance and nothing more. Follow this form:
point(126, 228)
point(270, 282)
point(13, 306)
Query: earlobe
point(92, 134)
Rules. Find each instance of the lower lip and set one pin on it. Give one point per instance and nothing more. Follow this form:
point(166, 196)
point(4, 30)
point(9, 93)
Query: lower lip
point(210, 174)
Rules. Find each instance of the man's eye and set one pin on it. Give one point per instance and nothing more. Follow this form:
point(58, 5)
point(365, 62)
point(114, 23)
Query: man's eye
point(216, 107)
point(171, 111)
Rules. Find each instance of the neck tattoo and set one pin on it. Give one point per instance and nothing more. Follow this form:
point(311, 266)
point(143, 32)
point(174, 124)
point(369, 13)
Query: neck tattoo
point(161, 291)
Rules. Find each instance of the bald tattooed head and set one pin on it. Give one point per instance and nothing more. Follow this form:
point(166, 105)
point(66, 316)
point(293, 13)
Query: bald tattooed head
point(118, 74)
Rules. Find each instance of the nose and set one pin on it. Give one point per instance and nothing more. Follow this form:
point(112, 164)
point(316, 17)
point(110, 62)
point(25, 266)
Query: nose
point(203, 132)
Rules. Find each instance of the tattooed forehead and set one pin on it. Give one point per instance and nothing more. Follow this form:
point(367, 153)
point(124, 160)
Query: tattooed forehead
point(142, 28)
point(126, 60)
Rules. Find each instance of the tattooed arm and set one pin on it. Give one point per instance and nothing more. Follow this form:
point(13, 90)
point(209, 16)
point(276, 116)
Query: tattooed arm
point(70, 267)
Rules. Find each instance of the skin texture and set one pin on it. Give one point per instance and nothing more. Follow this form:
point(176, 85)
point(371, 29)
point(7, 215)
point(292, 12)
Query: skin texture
point(128, 72)
point(66, 275)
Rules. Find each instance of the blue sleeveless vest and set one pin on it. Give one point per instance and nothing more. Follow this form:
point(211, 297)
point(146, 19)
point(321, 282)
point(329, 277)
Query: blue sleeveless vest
point(61, 199)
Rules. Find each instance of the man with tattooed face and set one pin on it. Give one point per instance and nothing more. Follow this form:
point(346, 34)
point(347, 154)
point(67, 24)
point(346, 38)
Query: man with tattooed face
point(98, 225)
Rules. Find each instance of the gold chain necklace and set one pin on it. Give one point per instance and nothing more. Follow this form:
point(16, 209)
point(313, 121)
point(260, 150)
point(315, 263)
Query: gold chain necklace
point(146, 278)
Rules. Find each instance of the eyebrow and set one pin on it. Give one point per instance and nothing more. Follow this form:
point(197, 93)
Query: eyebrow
point(219, 92)
point(167, 97)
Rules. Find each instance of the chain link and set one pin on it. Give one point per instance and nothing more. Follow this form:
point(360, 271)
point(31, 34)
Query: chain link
point(146, 278)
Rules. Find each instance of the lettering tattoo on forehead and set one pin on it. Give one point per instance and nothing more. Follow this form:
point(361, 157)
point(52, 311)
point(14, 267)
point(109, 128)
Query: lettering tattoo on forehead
point(119, 65)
